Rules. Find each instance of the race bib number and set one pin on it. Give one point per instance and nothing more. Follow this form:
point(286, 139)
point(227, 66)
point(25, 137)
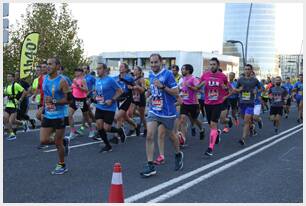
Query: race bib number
point(157, 104)
point(184, 95)
point(277, 98)
point(136, 97)
point(79, 104)
point(50, 107)
point(213, 95)
point(246, 96)
point(100, 99)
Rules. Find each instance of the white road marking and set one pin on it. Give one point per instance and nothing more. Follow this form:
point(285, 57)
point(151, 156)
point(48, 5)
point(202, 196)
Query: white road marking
point(201, 169)
point(85, 144)
point(216, 171)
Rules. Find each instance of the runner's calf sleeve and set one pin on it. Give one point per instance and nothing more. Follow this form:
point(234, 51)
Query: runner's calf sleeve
point(103, 136)
point(213, 137)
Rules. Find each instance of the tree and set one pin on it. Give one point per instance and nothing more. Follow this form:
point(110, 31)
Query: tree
point(58, 37)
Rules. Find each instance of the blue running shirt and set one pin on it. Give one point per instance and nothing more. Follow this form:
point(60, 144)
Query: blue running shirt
point(105, 89)
point(51, 88)
point(162, 104)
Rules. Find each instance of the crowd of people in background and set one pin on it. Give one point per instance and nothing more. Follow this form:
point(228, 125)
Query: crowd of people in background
point(168, 103)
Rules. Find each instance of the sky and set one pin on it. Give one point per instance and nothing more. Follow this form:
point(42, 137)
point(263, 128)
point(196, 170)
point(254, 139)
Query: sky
point(106, 27)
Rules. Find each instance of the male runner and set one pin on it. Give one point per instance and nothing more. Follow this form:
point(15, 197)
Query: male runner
point(162, 112)
point(278, 95)
point(246, 87)
point(56, 95)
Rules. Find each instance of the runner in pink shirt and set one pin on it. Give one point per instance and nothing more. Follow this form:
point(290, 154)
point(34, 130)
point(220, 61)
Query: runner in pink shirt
point(190, 105)
point(216, 90)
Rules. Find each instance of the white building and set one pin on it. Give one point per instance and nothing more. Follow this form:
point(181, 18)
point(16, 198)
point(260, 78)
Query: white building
point(198, 59)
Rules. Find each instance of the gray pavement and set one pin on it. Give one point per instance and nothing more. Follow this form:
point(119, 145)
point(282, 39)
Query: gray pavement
point(272, 175)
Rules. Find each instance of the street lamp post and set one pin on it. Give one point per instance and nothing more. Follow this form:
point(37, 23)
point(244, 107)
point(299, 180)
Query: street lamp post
point(236, 41)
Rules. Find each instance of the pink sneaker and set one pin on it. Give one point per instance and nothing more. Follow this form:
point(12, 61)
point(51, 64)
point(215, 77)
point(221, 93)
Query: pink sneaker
point(225, 130)
point(159, 160)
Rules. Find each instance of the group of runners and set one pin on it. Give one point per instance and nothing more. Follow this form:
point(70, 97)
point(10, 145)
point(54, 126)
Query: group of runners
point(167, 103)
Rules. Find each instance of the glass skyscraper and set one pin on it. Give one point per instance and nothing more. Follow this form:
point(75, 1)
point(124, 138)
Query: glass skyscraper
point(259, 46)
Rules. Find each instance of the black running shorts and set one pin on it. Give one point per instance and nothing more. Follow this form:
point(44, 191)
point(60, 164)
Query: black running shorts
point(213, 112)
point(191, 110)
point(106, 116)
point(53, 123)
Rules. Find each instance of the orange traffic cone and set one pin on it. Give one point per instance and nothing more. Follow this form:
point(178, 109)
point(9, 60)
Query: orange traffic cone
point(116, 190)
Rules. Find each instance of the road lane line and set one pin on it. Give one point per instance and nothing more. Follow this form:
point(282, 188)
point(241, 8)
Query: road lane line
point(157, 188)
point(216, 171)
point(85, 144)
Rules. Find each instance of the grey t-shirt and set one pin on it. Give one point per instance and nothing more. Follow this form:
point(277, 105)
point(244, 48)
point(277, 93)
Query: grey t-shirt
point(247, 94)
point(278, 94)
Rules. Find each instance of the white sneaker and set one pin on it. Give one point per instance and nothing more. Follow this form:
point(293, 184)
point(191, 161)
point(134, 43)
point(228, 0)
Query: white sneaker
point(92, 134)
point(72, 135)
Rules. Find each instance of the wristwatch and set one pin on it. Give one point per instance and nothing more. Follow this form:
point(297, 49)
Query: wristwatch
point(54, 101)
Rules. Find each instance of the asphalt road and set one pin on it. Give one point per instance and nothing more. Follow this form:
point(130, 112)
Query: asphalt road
point(268, 168)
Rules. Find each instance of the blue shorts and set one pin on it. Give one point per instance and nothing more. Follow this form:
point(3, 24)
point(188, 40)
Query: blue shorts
point(246, 109)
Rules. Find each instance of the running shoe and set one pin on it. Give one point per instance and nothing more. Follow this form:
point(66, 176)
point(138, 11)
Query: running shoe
point(225, 130)
point(298, 120)
point(202, 134)
point(42, 146)
point(193, 131)
point(59, 170)
point(218, 139)
point(122, 135)
point(286, 116)
point(159, 160)
point(276, 130)
point(149, 170)
point(260, 124)
point(92, 133)
point(72, 135)
point(230, 122)
point(138, 130)
point(106, 149)
point(96, 138)
point(131, 132)
point(25, 126)
point(241, 141)
point(179, 161)
point(114, 140)
point(66, 142)
point(209, 152)
point(80, 131)
point(11, 137)
point(32, 121)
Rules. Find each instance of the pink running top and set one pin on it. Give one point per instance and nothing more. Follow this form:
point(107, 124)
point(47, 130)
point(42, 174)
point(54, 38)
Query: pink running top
point(214, 87)
point(76, 91)
point(188, 95)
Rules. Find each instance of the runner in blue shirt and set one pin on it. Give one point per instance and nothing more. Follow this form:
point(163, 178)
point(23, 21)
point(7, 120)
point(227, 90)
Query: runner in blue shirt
point(162, 112)
point(56, 96)
point(289, 88)
point(106, 94)
point(298, 89)
point(126, 82)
